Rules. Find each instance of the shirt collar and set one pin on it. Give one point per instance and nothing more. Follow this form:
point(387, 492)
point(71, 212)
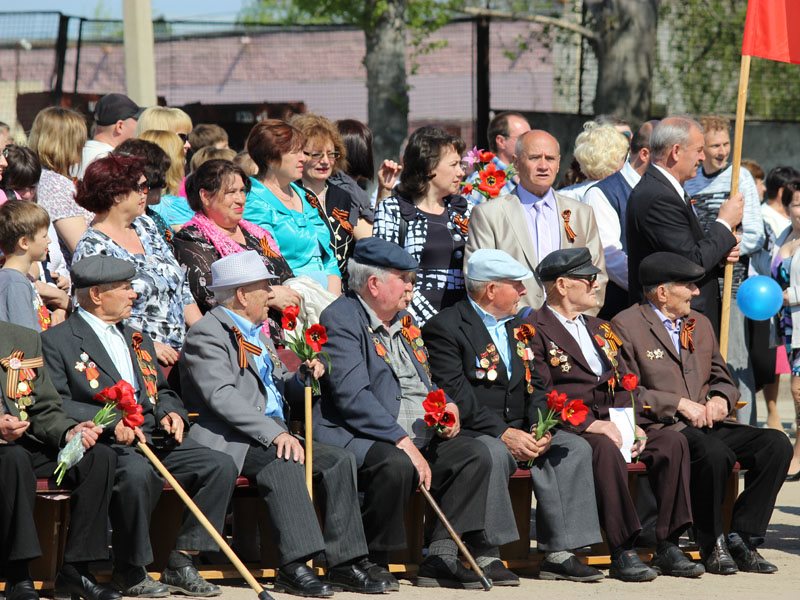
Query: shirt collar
point(529, 198)
point(96, 323)
point(675, 183)
point(375, 323)
point(629, 174)
point(665, 320)
point(488, 319)
point(247, 327)
point(564, 320)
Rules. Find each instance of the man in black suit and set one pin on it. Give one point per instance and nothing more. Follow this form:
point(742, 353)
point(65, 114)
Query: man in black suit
point(660, 216)
point(501, 399)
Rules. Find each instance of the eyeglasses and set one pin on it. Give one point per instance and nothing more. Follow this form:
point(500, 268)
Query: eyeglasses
point(5, 152)
point(184, 137)
point(589, 278)
point(142, 188)
point(319, 155)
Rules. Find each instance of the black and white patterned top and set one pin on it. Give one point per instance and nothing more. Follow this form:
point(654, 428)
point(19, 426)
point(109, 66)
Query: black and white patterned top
point(437, 242)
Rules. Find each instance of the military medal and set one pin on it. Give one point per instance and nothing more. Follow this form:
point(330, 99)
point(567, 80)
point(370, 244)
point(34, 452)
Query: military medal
point(484, 363)
point(491, 375)
point(489, 361)
point(19, 380)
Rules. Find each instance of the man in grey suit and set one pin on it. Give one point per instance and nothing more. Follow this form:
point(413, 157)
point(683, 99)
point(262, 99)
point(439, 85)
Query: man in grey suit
point(375, 390)
point(237, 383)
point(535, 220)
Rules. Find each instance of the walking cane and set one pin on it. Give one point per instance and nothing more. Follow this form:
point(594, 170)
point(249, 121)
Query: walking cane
point(248, 577)
point(487, 585)
point(309, 440)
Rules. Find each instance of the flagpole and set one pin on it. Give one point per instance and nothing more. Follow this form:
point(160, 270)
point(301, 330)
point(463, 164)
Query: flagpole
point(738, 135)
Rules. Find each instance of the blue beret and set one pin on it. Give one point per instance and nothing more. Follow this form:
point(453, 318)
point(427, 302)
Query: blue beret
point(380, 253)
point(99, 269)
point(489, 264)
point(566, 263)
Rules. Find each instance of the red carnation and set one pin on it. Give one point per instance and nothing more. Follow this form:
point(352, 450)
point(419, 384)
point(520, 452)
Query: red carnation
point(574, 412)
point(629, 382)
point(316, 337)
point(289, 317)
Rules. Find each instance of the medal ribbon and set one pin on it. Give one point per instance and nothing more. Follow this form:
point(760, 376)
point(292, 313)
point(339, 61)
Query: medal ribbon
point(611, 337)
point(244, 348)
point(687, 343)
point(567, 229)
point(16, 357)
point(145, 364)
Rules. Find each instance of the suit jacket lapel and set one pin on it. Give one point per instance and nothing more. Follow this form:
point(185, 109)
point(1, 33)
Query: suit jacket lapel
point(517, 366)
point(658, 329)
point(562, 338)
point(518, 223)
point(228, 324)
point(91, 345)
point(477, 334)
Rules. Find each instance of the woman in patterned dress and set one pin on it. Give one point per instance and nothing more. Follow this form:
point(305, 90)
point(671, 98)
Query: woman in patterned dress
point(429, 218)
point(115, 189)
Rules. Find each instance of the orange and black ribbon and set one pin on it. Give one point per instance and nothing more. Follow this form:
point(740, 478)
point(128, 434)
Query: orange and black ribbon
point(244, 348)
point(611, 337)
point(342, 217)
point(146, 366)
point(567, 229)
point(687, 343)
point(14, 363)
point(266, 248)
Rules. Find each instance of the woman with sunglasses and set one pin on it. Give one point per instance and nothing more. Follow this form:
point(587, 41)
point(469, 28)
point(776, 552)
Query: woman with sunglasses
point(173, 207)
point(276, 203)
point(115, 189)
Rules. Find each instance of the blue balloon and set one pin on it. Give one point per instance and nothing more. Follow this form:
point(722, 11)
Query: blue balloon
point(759, 298)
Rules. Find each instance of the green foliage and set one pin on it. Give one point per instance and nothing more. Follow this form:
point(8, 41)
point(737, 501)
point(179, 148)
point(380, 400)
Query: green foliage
point(703, 59)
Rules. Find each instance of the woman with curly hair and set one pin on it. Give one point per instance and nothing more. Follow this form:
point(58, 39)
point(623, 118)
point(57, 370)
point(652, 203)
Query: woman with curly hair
point(115, 189)
point(429, 219)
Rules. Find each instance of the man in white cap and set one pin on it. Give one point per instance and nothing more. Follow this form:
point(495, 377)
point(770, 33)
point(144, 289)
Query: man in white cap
point(231, 371)
point(480, 355)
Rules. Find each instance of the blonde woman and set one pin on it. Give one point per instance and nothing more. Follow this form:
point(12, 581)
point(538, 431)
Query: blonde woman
point(165, 118)
point(173, 208)
point(57, 136)
point(600, 151)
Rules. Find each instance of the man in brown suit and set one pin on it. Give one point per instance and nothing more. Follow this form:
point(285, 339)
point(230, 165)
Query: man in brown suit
point(577, 355)
point(684, 381)
point(535, 220)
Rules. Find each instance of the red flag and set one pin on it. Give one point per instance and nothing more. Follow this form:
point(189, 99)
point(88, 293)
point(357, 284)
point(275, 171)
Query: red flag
point(772, 30)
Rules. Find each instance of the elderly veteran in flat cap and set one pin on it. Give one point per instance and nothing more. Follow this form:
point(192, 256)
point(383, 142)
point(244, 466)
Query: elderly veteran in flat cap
point(685, 382)
point(93, 350)
point(239, 388)
point(480, 355)
point(373, 406)
point(578, 355)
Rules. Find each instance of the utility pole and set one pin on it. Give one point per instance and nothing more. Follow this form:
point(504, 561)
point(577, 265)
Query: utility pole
point(140, 64)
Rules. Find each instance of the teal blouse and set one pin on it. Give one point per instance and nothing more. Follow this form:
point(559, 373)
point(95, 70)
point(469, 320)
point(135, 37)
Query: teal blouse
point(304, 239)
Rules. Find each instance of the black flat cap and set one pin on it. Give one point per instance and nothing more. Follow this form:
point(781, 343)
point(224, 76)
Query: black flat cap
point(380, 253)
point(668, 267)
point(115, 107)
point(100, 269)
point(570, 262)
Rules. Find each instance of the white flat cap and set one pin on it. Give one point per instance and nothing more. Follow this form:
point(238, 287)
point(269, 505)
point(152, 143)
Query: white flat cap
point(238, 269)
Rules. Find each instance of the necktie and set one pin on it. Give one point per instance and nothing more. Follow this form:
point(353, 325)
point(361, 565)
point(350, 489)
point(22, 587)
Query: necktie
point(244, 348)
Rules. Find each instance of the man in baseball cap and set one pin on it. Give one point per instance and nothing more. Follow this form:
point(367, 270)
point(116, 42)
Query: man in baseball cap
point(115, 117)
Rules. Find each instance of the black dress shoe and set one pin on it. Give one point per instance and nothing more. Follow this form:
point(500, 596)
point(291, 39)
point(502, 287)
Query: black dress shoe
point(352, 578)
point(670, 560)
point(186, 580)
point(747, 557)
point(570, 570)
point(717, 560)
point(22, 590)
point(498, 574)
point(146, 587)
point(434, 572)
point(793, 477)
point(82, 587)
point(629, 567)
point(299, 579)
point(380, 573)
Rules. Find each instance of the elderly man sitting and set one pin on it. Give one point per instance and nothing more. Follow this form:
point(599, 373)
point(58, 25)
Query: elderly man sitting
point(237, 383)
point(92, 350)
point(684, 380)
point(578, 355)
point(373, 407)
point(480, 355)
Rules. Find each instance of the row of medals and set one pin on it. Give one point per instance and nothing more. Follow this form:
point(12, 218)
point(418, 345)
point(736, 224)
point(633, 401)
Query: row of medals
point(488, 368)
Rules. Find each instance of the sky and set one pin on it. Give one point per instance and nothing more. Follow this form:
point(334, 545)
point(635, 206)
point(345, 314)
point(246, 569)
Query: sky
point(210, 10)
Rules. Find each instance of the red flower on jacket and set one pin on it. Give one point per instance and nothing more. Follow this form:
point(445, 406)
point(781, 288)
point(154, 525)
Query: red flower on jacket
point(316, 337)
point(492, 180)
point(574, 412)
point(629, 382)
point(289, 317)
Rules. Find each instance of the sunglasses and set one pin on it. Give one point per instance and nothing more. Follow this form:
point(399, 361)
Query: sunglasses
point(590, 278)
point(142, 188)
point(184, 137)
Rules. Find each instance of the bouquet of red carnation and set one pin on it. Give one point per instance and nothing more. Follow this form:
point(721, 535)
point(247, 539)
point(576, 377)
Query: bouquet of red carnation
point(559, 409)
point(435, 414)
point(120, 396)
point(307, 343)
point(491, 180)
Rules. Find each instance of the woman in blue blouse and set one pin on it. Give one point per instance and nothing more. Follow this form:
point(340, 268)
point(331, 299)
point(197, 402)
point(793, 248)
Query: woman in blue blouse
point(280, 206)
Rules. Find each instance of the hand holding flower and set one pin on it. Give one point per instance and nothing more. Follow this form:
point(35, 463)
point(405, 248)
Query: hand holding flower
point(88, 431)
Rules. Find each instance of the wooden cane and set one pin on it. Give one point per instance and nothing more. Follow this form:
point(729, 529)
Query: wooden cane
point(487, 585)
point(248, 577)
point(309, 440)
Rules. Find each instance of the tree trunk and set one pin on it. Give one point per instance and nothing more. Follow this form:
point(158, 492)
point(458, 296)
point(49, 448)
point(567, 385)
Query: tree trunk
point(387, 87)
point(626, 53)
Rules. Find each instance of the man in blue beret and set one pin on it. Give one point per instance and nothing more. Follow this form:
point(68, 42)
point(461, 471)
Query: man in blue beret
point(480, 355)
point(372, 405)
point(685, 382)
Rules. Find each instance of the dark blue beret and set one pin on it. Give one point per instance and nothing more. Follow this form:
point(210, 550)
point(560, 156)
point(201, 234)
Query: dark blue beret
point(380, 253)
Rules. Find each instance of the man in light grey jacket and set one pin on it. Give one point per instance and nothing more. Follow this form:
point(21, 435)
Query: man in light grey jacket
point(232, 373)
